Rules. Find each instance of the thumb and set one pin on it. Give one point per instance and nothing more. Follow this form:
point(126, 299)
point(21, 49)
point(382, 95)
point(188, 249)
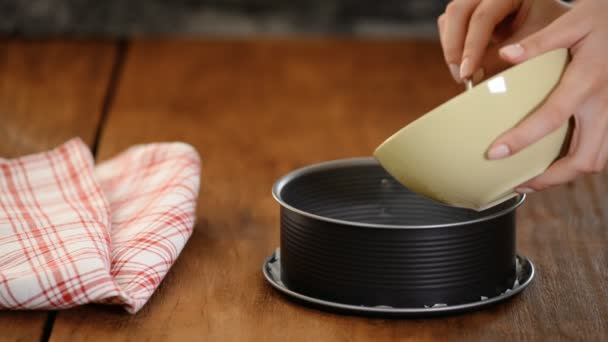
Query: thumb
point(563, 32)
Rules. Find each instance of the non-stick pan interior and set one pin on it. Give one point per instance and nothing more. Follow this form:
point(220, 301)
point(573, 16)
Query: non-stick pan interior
point(363, 192)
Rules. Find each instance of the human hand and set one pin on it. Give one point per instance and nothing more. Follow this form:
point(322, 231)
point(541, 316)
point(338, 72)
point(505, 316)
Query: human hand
point(582, 92)
point(471, 32)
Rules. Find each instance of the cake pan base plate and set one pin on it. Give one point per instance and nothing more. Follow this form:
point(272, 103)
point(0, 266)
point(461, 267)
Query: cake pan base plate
point(272, 273)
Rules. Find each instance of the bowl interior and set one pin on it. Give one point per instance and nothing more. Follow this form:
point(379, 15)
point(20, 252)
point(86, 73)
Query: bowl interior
point(365, 193)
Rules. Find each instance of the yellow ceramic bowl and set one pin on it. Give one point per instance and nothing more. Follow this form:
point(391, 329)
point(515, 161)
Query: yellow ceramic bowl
point(442, 155)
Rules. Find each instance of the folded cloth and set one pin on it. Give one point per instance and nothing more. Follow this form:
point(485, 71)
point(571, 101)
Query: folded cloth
point(72, 233)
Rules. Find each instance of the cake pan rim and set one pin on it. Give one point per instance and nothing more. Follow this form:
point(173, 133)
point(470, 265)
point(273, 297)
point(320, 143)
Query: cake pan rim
point(365, 161)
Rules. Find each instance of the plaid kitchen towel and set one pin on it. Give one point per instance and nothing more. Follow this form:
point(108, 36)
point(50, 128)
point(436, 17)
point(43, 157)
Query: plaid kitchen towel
point(72, 233)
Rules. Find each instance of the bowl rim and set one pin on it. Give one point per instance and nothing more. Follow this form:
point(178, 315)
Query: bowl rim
point(363, 161)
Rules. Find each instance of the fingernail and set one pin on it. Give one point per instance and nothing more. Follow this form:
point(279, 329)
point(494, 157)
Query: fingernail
point(524, 190)
point(465, 69)
point(455, 73)
point(499, 151)
point(512, 51)
point(478, 75)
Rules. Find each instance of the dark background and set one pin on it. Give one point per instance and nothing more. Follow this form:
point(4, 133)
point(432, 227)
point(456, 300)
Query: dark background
point(219, 17)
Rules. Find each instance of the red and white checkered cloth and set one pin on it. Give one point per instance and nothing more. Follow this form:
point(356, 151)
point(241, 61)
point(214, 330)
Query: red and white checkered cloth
point(72, 233)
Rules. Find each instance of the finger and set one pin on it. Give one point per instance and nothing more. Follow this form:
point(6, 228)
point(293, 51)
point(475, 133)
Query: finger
point(441, 29)
point(574, 87)
point(442, 36)
point(602, 157)
point(483, 21)
point(562, 171)
point(458, 13)
point(567, 169)
point(587, 156)
point(563, 32)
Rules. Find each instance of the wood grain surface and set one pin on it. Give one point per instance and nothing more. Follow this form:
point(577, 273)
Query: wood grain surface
point(258, 109)
point(49, 93)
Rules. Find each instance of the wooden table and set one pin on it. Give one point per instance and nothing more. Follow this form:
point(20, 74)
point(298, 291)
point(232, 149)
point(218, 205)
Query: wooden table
point(256, 110)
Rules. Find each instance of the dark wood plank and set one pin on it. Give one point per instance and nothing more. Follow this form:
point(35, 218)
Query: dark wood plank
point(258, 109)
point(49, 92)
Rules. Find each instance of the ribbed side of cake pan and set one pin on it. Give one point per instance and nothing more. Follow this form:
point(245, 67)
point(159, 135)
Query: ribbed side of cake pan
point(397, 267)
point(352, 234)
